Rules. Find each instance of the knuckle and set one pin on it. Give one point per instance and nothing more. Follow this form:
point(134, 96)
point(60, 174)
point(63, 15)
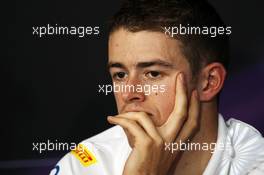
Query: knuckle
point(194, 124)
point(182, 117)
point(131, 123)
point(148, 142)
point(159, 142)
point(143, 114)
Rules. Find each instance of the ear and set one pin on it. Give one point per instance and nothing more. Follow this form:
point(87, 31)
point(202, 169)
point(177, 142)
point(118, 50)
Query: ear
point(211, 81)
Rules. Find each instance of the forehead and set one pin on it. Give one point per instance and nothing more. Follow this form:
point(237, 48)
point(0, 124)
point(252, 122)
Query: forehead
point(132, 47)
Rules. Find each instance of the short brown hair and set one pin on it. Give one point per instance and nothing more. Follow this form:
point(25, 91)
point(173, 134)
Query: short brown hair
point(153, 15)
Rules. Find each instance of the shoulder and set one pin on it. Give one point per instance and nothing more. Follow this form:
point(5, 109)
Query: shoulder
point(239, 150)
point(101, 154)
point(244, 139)
point(248, 144)
point(233, 124)
point(244, 149)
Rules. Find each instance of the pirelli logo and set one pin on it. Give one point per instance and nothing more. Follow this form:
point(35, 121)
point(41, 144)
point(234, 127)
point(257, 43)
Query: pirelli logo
point(84, 155)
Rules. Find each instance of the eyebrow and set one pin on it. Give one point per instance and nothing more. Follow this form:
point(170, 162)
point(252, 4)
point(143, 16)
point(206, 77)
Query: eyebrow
point(145, 64)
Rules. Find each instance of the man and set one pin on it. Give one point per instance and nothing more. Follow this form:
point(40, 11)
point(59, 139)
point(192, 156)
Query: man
point(146, 48)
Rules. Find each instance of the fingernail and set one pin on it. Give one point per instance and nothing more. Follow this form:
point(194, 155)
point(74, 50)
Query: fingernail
point(195, 93)
point(181, 77)
point(109, 118)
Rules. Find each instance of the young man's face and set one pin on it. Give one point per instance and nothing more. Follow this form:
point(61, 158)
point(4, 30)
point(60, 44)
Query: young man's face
point(146, 58)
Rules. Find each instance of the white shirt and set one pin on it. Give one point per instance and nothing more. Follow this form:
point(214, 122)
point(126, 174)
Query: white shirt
point(241, 152)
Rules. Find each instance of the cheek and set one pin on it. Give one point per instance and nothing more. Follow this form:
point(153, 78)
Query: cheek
point(165, 103)
point(118, 101)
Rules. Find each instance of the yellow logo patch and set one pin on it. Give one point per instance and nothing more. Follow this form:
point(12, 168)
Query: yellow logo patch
point(84, 155)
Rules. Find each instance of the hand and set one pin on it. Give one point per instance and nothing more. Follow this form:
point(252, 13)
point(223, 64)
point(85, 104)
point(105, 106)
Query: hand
point(148, 156)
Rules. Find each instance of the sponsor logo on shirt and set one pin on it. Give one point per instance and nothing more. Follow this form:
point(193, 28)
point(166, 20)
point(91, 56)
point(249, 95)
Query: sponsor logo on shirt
point(84, 155)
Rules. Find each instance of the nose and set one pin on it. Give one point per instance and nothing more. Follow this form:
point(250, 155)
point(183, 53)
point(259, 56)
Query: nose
point(133, 91)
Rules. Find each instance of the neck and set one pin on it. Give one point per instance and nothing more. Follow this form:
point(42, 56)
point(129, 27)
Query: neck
point(208, 124)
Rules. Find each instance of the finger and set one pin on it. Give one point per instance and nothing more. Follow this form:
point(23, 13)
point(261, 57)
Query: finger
point(179, 113)
point(145, 122)
point(131, 126)
point(181, 99)
point(192, 123)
